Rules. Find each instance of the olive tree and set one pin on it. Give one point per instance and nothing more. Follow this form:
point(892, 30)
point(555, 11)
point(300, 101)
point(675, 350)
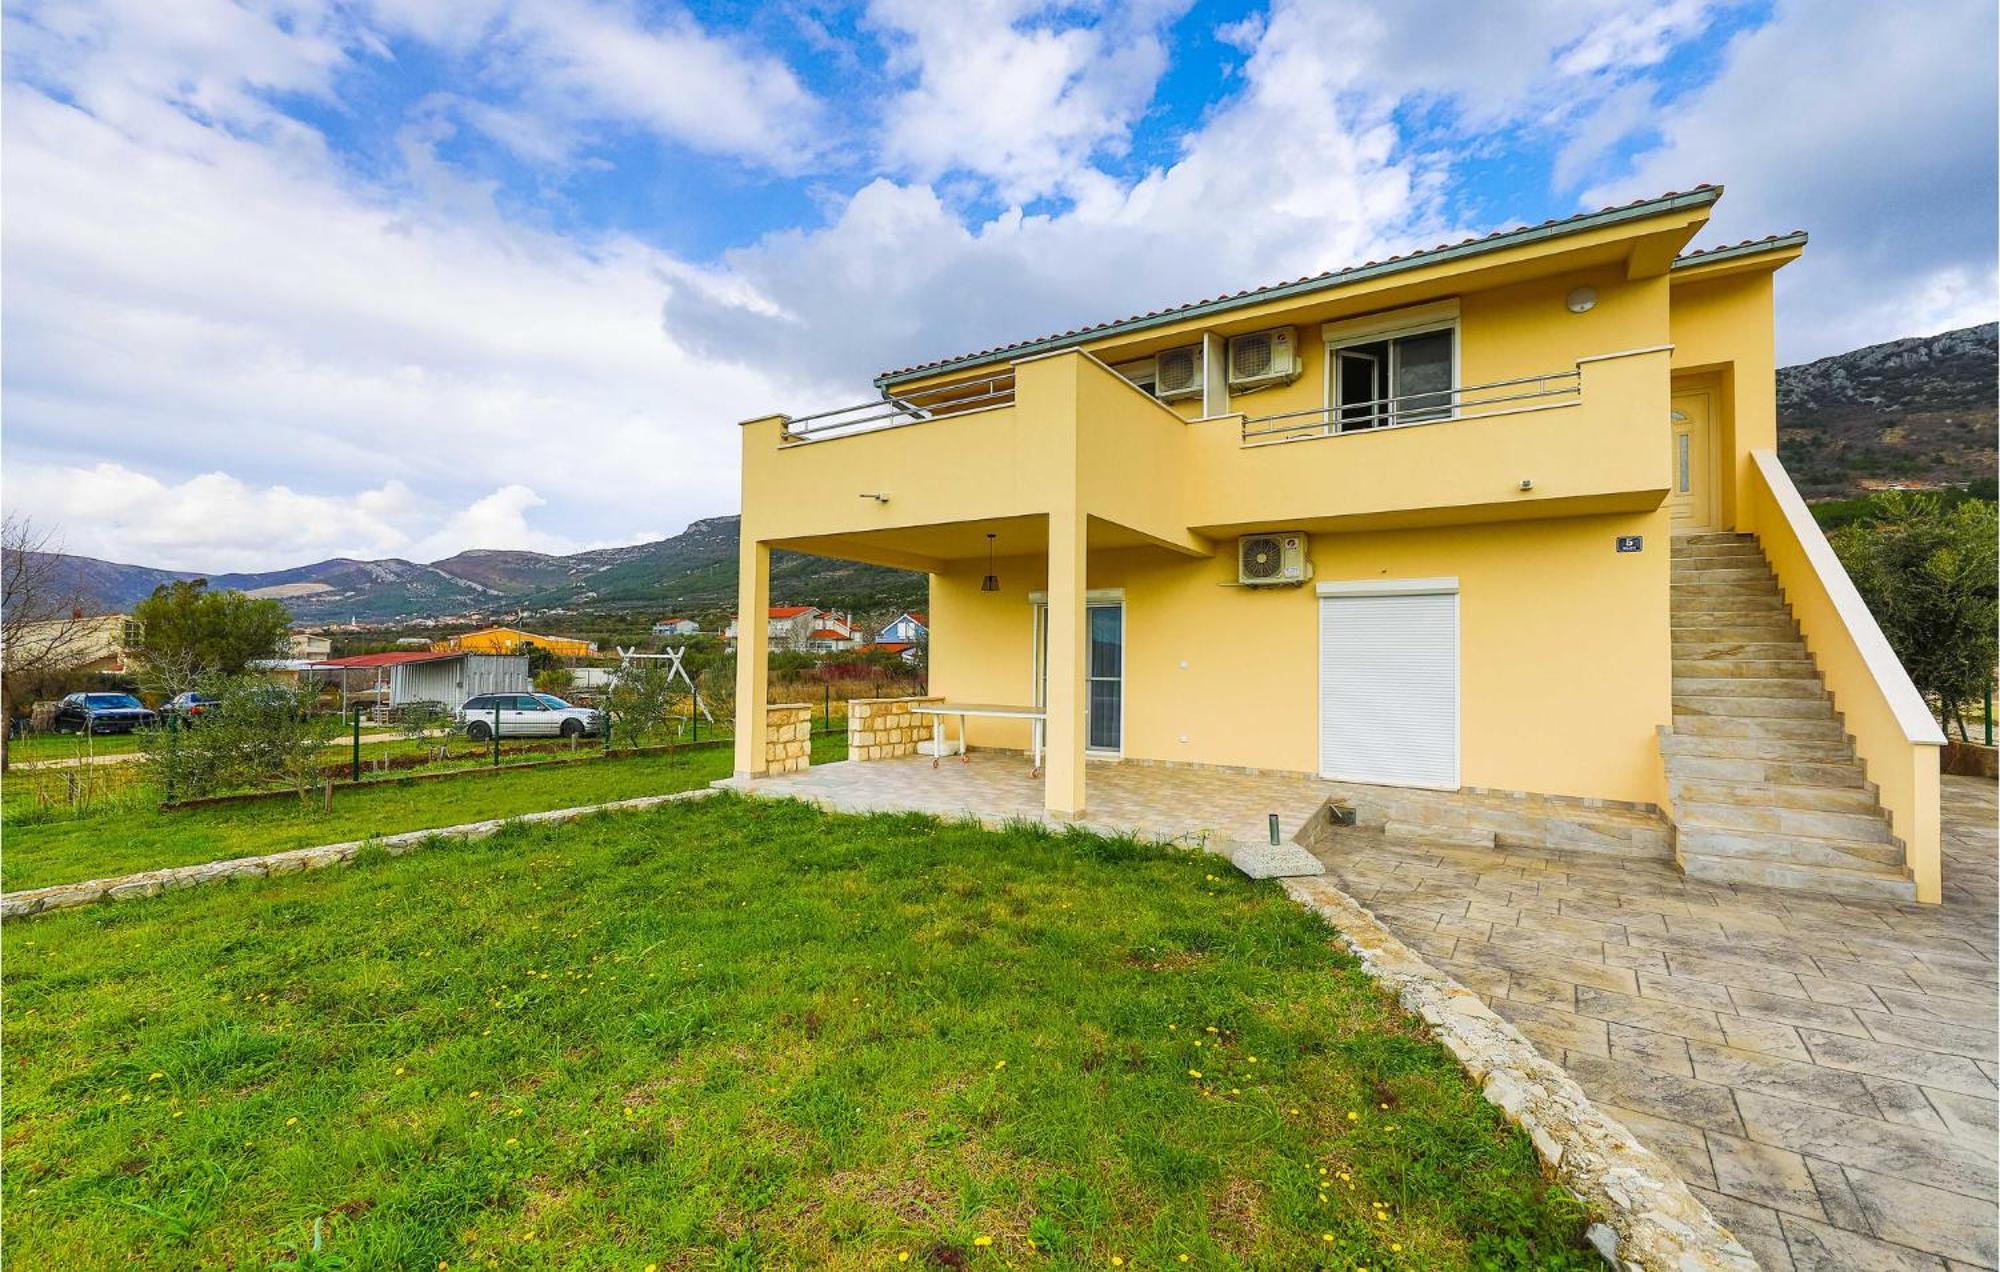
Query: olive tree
point(1928, 574)
point(640, 701)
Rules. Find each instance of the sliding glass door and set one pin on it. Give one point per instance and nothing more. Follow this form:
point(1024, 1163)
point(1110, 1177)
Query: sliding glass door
point(1103, 672)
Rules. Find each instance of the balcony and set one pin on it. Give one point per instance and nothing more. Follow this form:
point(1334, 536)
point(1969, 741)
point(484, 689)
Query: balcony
point(920, 479)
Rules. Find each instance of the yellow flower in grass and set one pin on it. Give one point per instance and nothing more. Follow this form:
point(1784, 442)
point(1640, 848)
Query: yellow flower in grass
point(999, 1064)
point(291, 1121)
point(982, 1241)
point(1117, 1260)
point(472, 1095)
point(1395, 1247)
point(1352, 1116)
point(902, 1256)
point(155, 1076)
point(1194, 1073)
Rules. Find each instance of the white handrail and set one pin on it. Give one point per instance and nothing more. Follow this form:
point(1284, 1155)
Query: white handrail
point(1435, 406)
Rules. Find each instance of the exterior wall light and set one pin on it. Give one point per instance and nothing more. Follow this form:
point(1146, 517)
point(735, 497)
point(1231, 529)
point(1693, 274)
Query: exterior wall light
point(1581, 300)
point(991, 583)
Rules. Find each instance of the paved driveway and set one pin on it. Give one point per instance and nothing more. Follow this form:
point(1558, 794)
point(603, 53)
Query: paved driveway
point(1822, 1072)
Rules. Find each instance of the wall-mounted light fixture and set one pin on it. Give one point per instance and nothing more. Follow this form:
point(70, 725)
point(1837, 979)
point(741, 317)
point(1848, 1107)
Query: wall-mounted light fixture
point(991, 583)
point(1581, 300)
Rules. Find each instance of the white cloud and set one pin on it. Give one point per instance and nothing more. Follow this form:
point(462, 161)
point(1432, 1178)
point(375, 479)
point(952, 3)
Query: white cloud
point(1022, 93)
point(1878, 137)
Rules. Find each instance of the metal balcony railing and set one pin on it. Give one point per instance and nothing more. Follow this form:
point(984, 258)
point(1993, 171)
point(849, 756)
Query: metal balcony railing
point(1467, 402)
point(959, 398)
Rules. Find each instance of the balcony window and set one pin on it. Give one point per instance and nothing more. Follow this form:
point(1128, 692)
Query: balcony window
point(1405, 378)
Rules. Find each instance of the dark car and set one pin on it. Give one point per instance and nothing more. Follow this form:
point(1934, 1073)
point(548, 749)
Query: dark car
point(190, 707)
point(103, 713)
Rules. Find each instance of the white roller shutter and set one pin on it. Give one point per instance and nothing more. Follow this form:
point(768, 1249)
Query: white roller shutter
point(1388, 683)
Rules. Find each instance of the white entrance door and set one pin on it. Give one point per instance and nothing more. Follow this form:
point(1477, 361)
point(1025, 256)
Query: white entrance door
point(1388, 682)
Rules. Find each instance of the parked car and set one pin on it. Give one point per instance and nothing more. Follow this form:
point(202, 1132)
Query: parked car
point(103, 713)
point(526, 715)
point(191, 706)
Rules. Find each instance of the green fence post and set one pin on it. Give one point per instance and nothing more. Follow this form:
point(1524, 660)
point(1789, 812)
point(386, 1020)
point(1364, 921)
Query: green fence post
point(826, 709)
point(357, 744)
point(1989, 715)
point(496, 732)
point(694, 715)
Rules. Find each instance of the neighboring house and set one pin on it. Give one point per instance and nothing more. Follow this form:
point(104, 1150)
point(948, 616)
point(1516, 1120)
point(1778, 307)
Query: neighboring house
point(93, 642)
point(310, 646)
point(676, 627)
point(787, 627)
point(906, 628)
point(512, 640)
point(1475, 518)
point(394, 680)
point(904, 650)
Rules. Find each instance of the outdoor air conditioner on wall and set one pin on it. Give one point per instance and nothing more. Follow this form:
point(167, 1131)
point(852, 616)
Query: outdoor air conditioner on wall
point(1177, 373)
point(1272, 560)
point(1262, 359)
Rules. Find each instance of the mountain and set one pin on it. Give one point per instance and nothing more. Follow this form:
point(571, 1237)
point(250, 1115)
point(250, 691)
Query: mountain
point(1916, 412)
point(695, 570)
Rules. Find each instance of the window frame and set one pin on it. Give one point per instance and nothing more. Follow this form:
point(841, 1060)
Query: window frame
point(1388, 330)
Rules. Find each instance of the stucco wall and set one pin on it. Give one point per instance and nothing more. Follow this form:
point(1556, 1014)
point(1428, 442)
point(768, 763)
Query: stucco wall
point(1564, 658)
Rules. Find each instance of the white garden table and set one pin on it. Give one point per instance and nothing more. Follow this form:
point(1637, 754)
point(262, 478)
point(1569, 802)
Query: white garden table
point(1036, 717)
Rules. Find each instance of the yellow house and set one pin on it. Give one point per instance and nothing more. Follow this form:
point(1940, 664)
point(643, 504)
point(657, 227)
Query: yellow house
point(1504, 515)
point(512, 640)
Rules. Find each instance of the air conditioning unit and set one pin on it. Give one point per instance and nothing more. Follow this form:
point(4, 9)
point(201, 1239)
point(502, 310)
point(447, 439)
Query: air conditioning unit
point(1262, 359)
point(1177, 373)
point(1272, 560)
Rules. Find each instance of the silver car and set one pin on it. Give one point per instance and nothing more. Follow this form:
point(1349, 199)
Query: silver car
point(526, 715)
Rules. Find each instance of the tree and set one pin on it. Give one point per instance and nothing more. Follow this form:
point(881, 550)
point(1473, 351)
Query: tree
point(42, 628)
point(555, 680)
point(260, 734)
point(1928, 574)
point(216, 633)
point(640, 701)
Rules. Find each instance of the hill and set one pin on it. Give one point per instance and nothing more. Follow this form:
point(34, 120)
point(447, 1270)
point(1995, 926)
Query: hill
point(694, 570)
point(1917, 412)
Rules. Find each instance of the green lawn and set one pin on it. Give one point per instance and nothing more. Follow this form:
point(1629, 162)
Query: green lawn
point(741, 1033)
point(139, 836)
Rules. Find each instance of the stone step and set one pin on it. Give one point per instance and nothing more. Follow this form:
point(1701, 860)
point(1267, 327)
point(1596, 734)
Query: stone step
point(1700, 537)
point(1698, 788)
point(1752, 572)
point(1755, 631)
point(1723, 583)
point(1859, 884)
point(1747, 668)
point(1722, 726)
point(1753, 708)
point(1833, 769)
point(1694, 554)
point(1726, 650)
point(1747, 687)
point(1760, 603)
point(1787, 850)
point(1863, 834)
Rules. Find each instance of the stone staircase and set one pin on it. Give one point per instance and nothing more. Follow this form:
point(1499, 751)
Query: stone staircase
point(1765, 784)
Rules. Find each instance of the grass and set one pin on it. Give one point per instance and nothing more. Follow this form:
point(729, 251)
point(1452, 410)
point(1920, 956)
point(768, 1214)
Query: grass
point(142, 837)
point(741, 1033)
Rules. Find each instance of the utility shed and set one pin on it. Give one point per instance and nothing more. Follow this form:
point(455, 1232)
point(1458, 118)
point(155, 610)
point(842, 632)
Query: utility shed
point(394, 680)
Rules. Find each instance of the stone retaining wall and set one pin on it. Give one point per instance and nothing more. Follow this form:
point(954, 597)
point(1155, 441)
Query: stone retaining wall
point(885, 728)
point(787, 738)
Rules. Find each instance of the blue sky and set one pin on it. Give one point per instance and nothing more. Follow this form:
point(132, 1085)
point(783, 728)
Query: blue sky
point(295, 278)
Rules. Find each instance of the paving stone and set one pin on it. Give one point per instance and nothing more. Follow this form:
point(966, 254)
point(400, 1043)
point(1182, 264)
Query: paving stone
point(1686, 1147)
point(1969, 1117)
point(1836, 1195)
point(1665, 1052)
point(1910, 1002)
point(1768, 1176)
point(1904, 1104)
point(1907, 1064)
point(1756, 1071)
point(1928, 1219)
point(1839, 993)
point(1701, 1104)
point(1686, 991)
point(1970, 1041)
point(1819, 1247)
point(1771, 1037)
point(1535, 962)
point(1722, 971)
point(1867, 1142)
point(1542, 991)
point(1757, 1227)
point(1795, 1011)
point(1646, 1013)
point(1555, 1031)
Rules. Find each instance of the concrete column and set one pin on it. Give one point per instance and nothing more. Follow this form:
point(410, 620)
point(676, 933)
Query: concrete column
point(753, 649)
point(1068, 550)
